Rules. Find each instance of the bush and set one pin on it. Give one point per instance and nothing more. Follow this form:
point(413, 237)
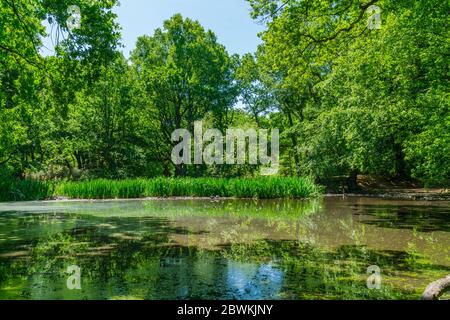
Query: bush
point(23, 190)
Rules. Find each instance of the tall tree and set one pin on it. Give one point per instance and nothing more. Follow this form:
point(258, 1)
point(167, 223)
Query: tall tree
point(186, 74)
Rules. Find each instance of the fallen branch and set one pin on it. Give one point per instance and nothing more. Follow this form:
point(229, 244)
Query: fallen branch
point(437, 289)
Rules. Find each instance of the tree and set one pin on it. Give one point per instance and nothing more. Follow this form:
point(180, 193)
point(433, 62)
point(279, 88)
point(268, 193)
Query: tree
point(255, 95)
point(186, 74)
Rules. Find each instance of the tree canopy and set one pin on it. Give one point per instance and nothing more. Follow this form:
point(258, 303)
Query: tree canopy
point(354, 86)
point(371, 100)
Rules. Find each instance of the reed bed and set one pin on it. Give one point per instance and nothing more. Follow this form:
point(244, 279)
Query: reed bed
point(263, 187)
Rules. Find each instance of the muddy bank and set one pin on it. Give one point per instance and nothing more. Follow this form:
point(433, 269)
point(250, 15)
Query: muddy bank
point(378, 187)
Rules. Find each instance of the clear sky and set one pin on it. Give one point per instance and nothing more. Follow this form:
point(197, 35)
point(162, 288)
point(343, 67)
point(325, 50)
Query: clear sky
point(229, 19)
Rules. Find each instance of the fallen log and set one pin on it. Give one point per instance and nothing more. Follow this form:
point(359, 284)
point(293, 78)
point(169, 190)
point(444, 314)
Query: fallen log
point(437, 289)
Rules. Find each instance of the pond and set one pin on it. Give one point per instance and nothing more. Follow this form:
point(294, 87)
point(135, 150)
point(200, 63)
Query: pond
point(223, 249)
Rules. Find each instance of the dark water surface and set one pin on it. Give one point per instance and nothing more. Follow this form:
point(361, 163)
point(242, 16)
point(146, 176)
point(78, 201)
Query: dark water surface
point(227, 249)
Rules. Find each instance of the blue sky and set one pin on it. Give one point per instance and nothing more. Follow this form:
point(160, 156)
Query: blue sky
point(229, 19)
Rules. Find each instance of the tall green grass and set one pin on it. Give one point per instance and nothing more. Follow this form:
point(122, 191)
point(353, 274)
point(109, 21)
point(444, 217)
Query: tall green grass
point(263, 187)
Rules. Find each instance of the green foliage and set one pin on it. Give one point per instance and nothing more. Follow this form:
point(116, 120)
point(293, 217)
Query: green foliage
point(23, 190)
point(37, 93)
point(254, 94)
point(360, 100)
point(429, 151)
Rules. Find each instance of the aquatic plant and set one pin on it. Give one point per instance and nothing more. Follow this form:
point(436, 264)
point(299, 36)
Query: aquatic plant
point(264, 187)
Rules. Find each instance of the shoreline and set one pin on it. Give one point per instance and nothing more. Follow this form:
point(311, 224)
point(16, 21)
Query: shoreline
point(404, 194)
point(391, 195)
point(386, 196)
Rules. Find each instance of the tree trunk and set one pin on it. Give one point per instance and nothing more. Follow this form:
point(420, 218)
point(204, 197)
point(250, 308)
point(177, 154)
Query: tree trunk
point(179, 170)
point(78, 158)
point(294, 145)
point(166, 171)
point(352, 181)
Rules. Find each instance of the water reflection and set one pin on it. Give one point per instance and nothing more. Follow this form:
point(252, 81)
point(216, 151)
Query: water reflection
point(424, 219)
point(249, 281)
point(233, 249)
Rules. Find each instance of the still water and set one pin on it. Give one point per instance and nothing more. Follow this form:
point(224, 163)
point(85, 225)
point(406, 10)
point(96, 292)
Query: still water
point(226, 249)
